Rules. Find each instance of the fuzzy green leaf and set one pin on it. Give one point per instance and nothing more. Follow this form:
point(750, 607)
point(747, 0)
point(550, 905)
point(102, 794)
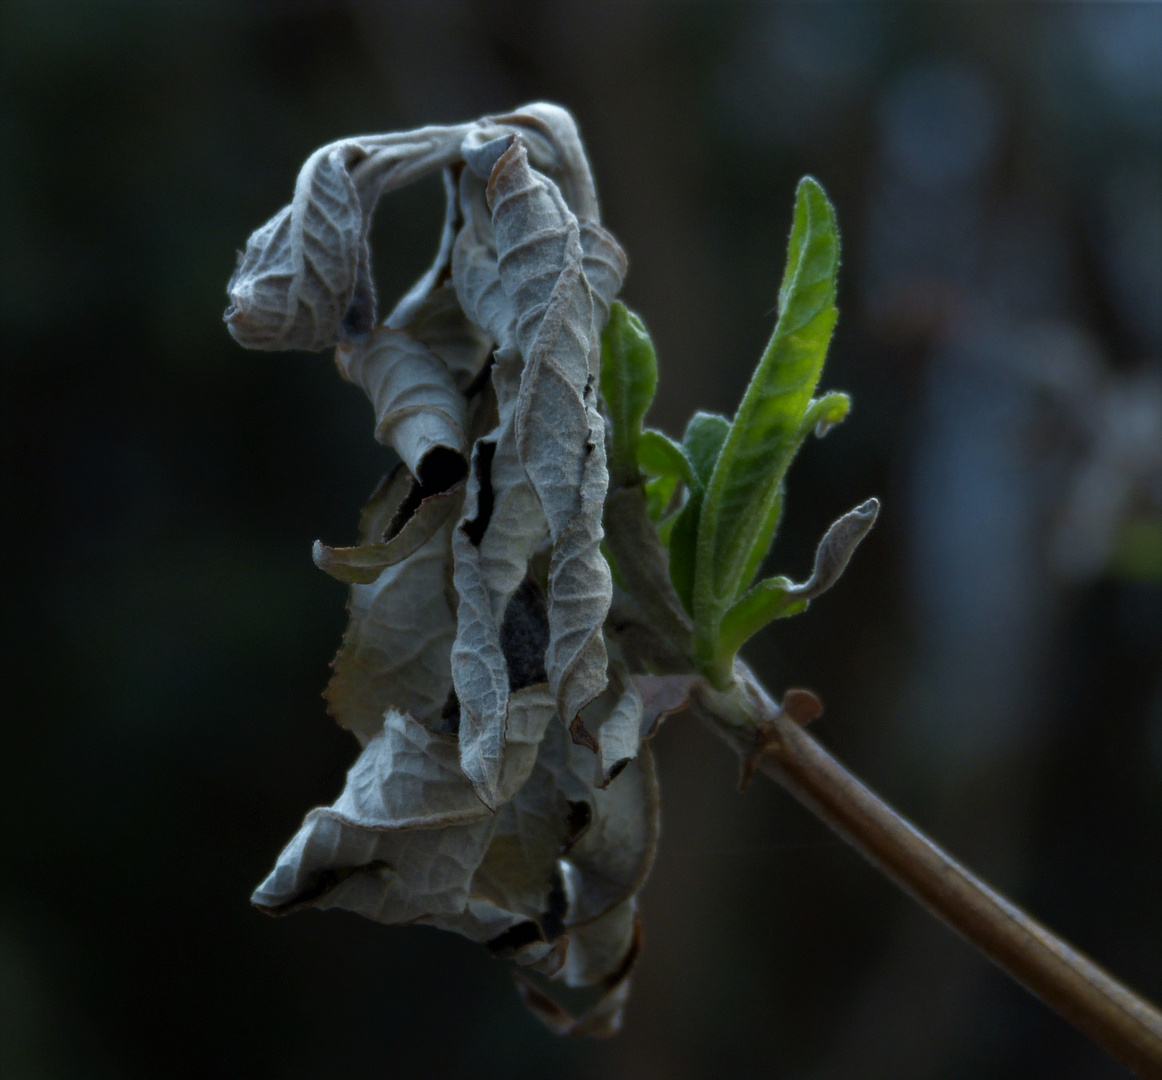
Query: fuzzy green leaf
point(766, 430)
point(659, 495)
point(705, 435)
point(659, 455)
point(629, 376)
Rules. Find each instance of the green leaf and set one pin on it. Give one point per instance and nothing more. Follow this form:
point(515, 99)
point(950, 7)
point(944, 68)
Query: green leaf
point(764, 538)
point(705, 435)
point(629, 376)
point(767, 601)
point(683, 543)
point(824, 413)
point(701, 444)
point(659, 495)
point(766, 431)
point(659, 455)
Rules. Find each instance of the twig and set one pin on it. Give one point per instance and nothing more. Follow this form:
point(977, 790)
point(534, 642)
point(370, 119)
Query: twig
point(1125, 1025)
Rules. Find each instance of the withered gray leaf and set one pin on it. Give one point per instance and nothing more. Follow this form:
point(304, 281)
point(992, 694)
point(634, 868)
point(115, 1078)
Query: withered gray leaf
point(615, 719)
point(598, 950)
point(401, 842)
point(501, 526)
point(603, 953)
point(304, 280)
point(397, 647)
point(560, 436)
point(299, 276)
point(479, 669)
point(555, 149)
point(474, 271)
point(418, 406)
point(362, 564)
point(613, 856)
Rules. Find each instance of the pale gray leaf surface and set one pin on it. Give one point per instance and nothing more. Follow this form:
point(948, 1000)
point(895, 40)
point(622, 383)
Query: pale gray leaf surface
point(298, 276)
point(440, 323)
point(501, 527)
point(560, 436)
point(517, 900)
point(304, 280)
point(595, 946)
point(479, 669)
point(567, 164)
point(474, 271)
point(614, 855)
point(599, 949)
point(619, 732)
point(417, 404)
point(604, 264)
point(396, 649)
point(401, 842)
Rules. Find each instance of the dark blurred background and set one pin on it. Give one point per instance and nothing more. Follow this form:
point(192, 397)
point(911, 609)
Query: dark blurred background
point(992, 662)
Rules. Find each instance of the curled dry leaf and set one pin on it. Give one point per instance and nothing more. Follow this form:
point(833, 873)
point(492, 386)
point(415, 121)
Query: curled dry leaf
point(560, 435)
point(304, 280)
point(418, 406)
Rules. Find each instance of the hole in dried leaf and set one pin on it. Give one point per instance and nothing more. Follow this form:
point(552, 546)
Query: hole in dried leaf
point(514, 939)
point(441, 469)
point(449, 720)
point(482, 465)
point(577, 820)
point(553, 920)
point(524, 636)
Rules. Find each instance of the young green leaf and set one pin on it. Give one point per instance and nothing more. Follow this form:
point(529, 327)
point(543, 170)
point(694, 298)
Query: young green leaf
point(766, 430)
point(705, 435)
point(659, 455)
point(629, 376)
point(659, 495)
point(701, 445)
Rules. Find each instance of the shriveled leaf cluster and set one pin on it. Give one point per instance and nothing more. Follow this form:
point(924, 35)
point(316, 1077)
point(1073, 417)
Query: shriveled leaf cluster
point(503, 790)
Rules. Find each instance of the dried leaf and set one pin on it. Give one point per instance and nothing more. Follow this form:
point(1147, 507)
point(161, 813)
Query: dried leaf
point(479, 669)
point(598, 951)
point(618, 727)
point(612, 856)
point(397, 647)
point(362, 564)
point(474, 272)
point(662, 696)
point(298, 279)
point(400, 843)
point(566, 163)
point(612, 943)
point(304, 280)
point(501, 527)
point(560, 436)
point(417, 404)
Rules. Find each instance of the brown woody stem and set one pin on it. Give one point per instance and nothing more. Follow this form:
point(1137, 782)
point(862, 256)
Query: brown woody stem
point(1125, 1025)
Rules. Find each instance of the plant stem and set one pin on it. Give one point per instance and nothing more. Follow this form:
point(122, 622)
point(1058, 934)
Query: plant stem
point(1125, 1025)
